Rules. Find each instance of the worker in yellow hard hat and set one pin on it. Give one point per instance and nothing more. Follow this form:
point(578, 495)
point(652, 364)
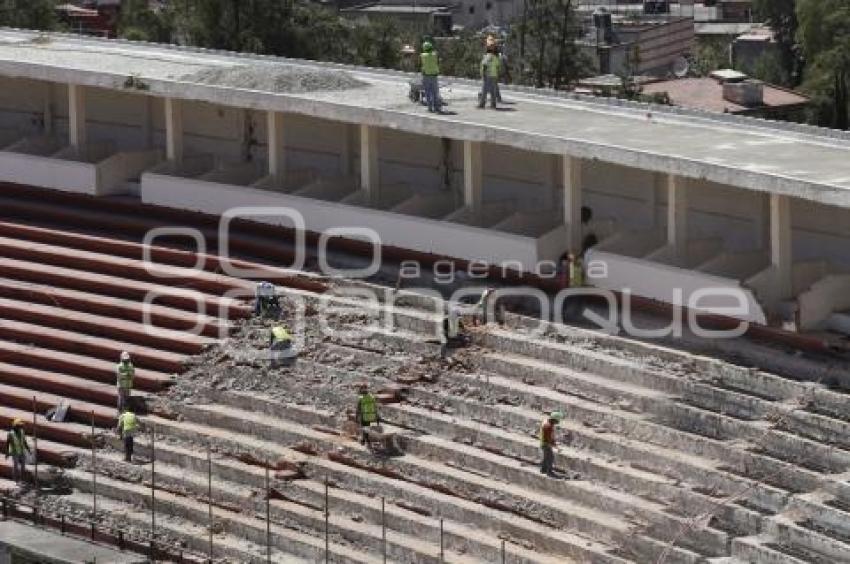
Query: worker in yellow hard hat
point(280, 345)
point(18, 448)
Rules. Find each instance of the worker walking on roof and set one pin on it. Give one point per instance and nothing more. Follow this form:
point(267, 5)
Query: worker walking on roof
point(280, 345)
point(547, 443)
point(126, 428)
point(490, 72)
point(18, 448)
point(367, 410)
point(430, 66)
point(125, 371)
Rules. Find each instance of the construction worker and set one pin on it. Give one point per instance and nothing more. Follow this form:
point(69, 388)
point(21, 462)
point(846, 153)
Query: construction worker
point(367, 410)
point(482, 308)
point(430, 66)
point(547, 443)
point(453, 335)
point(504, 68)
point(18, 448)
point(125, 371)
point(126, 428)
point(490, 72)
point(267, 301)
point(280, 345)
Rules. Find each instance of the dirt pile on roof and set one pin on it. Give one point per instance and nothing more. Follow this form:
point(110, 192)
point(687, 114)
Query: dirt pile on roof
point(281, 79)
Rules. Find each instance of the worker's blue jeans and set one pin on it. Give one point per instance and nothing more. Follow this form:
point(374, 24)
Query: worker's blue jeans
point(431, 91)
point(548, 463)
point(489, 87)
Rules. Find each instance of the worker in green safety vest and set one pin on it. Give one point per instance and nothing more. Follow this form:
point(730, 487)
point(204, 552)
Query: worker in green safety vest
point(367, 410)
point(18, 448)
point(126, 428)
point(124, 372)
point(490, 71)
point(280, 345)
point(430, 66)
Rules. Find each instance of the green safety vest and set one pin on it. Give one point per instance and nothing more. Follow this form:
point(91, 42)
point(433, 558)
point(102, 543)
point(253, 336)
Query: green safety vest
point(16, 444)
point(492, 64)
point(430, 64)
point(128, 422)
point(368, 408)
point(280, 334)
point(125, 375)
point(577, 273)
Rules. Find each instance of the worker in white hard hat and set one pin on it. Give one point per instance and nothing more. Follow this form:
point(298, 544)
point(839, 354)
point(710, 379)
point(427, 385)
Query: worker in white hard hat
point(547, 442)
point(125, 371)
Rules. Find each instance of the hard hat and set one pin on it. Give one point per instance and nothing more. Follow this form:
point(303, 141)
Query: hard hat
point(427, 47)
point(125, 356)
point(17, 422)
point(362, 386)
point(556, 416)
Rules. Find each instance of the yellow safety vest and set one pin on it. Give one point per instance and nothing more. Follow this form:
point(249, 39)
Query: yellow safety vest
point(128, 422)
point(280, 334)
point(430, 64)
point(16, 443)
point(368, 408)
point(125, 371)
point(492, 64)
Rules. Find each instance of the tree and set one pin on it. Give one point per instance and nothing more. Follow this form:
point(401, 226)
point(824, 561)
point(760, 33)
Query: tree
point(824, 36)
point(781, 16)
point(138, 22)
point(29, 14)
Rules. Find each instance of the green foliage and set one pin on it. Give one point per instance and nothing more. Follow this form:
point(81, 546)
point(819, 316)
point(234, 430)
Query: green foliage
point(138, 22)
point(461, 55)
point(29, 14)
point(769, 68)
point(781, 16)
point(709, 55)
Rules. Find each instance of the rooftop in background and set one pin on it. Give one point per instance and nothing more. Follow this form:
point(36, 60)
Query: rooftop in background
point(707, 94)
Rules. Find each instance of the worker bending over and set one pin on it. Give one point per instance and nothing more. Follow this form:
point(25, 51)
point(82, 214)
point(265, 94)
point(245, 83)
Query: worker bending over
point(124, 376)
point(267, 302)
point(280, 345)
point(18, 448)
point(367, 411)
point(126, 428)
point(547, 443)
point(453, 330)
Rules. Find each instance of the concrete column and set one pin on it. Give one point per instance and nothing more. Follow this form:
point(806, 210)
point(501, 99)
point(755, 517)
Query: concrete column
point(370, 179)
point(572, 201)
point(174, 130)
point(49, 116)
point(473, 176)
point(277, 144)
point(677, 213)
point(780, 243)
point(347, 144)
point(76, 115)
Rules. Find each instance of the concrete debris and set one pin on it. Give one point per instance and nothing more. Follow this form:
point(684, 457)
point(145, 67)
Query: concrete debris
point(274, 78)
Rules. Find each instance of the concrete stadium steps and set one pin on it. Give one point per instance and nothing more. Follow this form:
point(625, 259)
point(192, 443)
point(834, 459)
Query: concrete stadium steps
point(77, 365)
point(407, 491)
point(154, 316)
point(79, 411)
point(545, 506)
point(166, 341)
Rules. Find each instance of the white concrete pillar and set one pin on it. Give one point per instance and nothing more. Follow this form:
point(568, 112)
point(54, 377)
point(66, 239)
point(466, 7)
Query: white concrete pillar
point(780, 243)
point(76, 115)
point(677, 213)
point(572, 180)
point(277, 144)
point(473, 176)
point(174, 130)
point(370, 178)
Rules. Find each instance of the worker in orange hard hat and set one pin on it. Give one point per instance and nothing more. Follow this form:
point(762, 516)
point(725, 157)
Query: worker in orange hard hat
point(17, 448)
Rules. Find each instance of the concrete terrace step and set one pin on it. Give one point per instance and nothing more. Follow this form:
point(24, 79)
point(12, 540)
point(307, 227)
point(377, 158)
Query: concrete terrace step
point(79, 410)
point(132, 269)
point(758, 549)
point(247, 525)
point(76, 365)
point(94, 347)
point(117, 287)
point(193, 536)
point(103, 326)
point(557, 511)
point(69, 387)
point(375, 482)
point(159, 255)
point(410, 538)
point(150, 315)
